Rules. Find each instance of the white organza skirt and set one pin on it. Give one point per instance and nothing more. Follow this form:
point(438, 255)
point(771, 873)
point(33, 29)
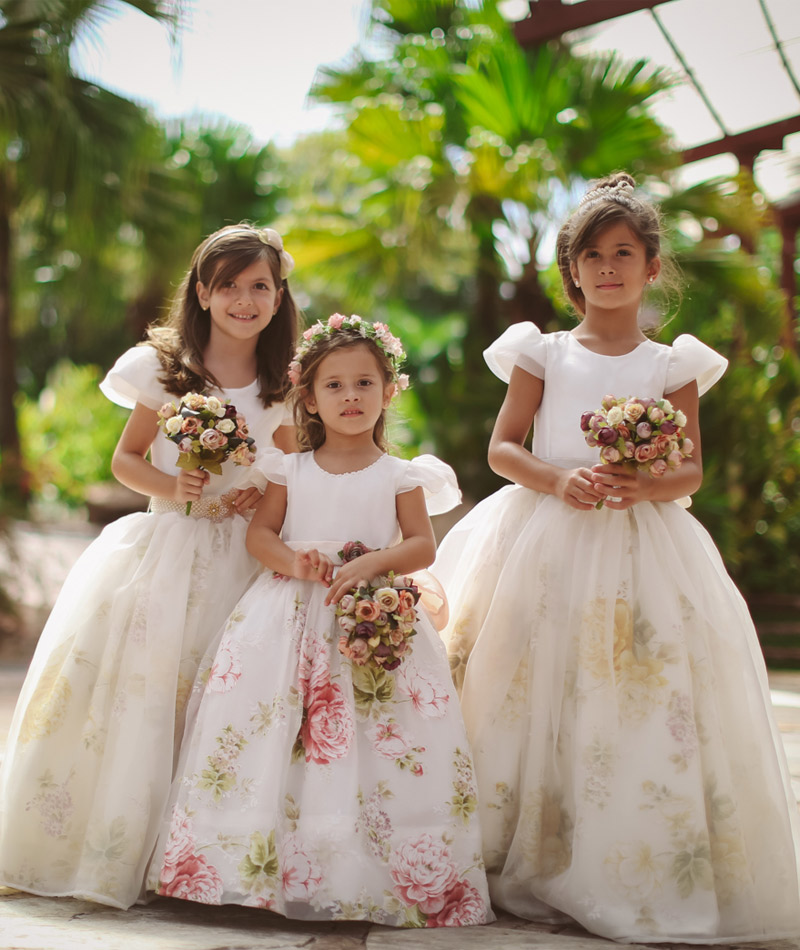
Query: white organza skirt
point(630, 773)
point(94, 738)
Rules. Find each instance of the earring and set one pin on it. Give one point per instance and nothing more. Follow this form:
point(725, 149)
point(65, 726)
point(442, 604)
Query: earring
point(651, 279)
point(577, 283)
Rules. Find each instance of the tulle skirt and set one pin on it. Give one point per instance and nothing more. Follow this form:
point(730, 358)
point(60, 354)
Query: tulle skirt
point(320, 789)
point(92, 746)
point(630, 773)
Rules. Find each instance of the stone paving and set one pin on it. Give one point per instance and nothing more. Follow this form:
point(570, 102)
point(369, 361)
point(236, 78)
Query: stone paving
point(37, 923)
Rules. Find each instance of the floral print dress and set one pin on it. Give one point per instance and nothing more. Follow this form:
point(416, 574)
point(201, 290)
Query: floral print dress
point(630, 773)
point(309, 784)
point(93, 742)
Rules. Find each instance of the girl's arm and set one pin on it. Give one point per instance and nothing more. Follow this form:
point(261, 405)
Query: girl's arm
point(509, 457)
point(630, 486)
point(416, 551)
point(130, 466)
point(264, 543)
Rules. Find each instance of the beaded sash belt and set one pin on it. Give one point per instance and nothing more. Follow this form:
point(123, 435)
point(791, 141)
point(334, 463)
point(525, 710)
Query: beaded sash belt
point(213, 507)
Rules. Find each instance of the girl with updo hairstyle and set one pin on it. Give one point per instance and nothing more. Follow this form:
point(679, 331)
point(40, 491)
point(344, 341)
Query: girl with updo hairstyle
point(630, 773)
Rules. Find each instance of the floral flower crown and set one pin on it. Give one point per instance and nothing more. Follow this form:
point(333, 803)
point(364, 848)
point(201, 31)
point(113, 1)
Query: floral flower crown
point(267, 236)
point(379, 333)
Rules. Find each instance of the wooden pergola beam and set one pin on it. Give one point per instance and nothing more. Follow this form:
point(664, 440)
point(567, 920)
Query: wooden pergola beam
point(746, 145)
point(551, 18)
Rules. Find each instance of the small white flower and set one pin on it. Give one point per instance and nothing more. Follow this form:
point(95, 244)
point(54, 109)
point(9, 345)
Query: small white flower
point(173, 425)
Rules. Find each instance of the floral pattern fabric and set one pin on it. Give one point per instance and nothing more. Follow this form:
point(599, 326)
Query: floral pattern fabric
point(630, 774)
point(93, 742)
point(310, 785)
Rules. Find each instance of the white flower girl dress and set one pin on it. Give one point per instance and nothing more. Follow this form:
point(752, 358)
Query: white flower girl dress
point(307, 784)
point(93, 743)
point(630, 774)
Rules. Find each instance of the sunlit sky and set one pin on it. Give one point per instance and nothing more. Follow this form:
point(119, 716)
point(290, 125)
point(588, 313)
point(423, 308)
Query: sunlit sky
point(253, 62)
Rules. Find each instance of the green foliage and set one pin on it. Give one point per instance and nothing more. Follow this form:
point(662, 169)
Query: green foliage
point(69, 433)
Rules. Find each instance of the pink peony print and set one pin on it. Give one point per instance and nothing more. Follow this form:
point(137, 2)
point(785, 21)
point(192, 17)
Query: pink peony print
point(181, 842)
point(313, 672)
point(423, 871)
point(462, 906)
point(388, 740)
point(194, 879)
point(225, 670)
point(428, 696)
point(328, 728)
point(301, 876)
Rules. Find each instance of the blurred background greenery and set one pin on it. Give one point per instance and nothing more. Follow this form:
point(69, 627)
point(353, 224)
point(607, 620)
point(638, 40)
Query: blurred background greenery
point(459, 153)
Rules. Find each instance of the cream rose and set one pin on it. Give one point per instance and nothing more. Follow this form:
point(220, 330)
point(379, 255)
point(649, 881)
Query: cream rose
point(388, 599)
point(173, 425)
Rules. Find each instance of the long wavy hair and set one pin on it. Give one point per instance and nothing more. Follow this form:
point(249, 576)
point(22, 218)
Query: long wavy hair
point(182, 339)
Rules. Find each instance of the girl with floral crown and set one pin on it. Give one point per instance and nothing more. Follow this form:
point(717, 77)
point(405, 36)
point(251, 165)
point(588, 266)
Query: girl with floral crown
point(326, 774)
point(630, 774)
point(93, 743)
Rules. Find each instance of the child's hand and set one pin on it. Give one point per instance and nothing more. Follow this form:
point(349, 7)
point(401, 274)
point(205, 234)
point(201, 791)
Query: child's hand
point(189, 485)
point(576, 488)
point(622, 483)
point(350, 575)
point(246, 499)
point(313, 566)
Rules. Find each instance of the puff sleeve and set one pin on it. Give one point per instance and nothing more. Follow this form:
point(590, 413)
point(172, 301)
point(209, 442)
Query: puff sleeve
point(134, 378)
point(437, 480)
point(690, 359)
point(522, 345)
point(269, 466)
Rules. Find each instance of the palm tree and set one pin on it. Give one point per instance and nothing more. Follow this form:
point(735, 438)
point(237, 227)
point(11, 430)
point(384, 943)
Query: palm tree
point(64, 147)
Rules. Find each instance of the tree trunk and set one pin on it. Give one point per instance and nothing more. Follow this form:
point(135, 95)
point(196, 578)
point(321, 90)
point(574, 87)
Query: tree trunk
point(13, 482)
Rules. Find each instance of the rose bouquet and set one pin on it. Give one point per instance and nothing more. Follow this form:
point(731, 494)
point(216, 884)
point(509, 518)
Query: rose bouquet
point(646, 434)
point(377, 617)
point(207, 432)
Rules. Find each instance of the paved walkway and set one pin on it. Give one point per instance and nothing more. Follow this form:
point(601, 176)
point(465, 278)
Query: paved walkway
point(34, 923)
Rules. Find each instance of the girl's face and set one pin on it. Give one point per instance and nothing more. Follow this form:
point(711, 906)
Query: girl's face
point(349, 392)
point(613, 269)
point(243, 306)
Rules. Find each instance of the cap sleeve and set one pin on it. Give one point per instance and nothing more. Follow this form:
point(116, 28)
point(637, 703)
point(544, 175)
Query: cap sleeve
point(437, 480)
point(269, 466)
point(134, 378)
point(690, 359)
point(522, 345)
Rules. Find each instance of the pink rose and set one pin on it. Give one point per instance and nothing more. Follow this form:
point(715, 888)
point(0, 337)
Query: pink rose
point(213, 439)
point(422, 871)
point(167, 411)
point(300, 875)
point(190, 425)
point(608, 401)
point(609, 454)
point(347, 604)
point(336, 320)
point(674, 459)
point(628, 450)
point(185, 445)
point(406, 601)
point(225, 672)
point(687, 447)
point(348, 624)
point(359, 652)
point(462, 906)
point(353, 549)
point(367, 610)
point(193, 880)
point(428, 697)
point(654, 414)
point(295, 368)
point(327, 732)
point(658, 468)
point(242, 455)
point(644, 430)
point(644, 453)
point(661, 444)
point(388, 740)
point(396, 637)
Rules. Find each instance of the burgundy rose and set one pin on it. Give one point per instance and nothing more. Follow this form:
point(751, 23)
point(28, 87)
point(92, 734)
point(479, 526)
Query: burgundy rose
point(365, 630)
point(668, 427)
point(606, 435)
point(352, 550)
point(586, 418)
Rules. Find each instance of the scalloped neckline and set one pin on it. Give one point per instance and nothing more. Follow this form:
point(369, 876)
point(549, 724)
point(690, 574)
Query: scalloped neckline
point(356, 471)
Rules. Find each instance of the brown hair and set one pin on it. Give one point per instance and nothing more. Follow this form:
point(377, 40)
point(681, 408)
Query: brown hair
point(311, 429)
point(181, 341)
point(611, 201)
